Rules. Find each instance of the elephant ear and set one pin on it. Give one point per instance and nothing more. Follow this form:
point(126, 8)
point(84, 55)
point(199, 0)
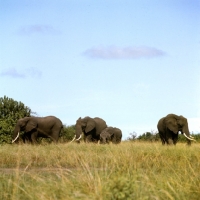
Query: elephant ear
point(171, 124)
point(31, 124)
point(90, 125)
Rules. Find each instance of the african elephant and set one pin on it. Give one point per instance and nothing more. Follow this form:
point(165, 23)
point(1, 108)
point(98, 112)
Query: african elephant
point(90, 127)
point(169, 127)
point(34, 127)
point(112, 134)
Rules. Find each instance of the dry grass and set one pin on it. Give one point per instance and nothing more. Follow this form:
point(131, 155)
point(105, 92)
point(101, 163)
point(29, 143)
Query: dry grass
point(89, 171)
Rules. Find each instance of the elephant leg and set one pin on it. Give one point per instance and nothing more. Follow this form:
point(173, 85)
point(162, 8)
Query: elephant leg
point(170, 141)
point(34, 137)
point(114, 140)
point(118, 140)
point(94, 140)
point(55, 134)
point(189, 142)
point(175, 139)
point(88, 138)
point(169, 137)
point(54, 140)
point(162, 137)
point(54, 137)
point(26, 138)
point(163, 141)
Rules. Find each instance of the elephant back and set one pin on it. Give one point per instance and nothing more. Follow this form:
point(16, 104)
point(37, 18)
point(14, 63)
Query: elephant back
point(100, 125)
point(117, 132)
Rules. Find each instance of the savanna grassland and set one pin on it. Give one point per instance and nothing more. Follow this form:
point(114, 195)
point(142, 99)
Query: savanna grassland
point(131, 170)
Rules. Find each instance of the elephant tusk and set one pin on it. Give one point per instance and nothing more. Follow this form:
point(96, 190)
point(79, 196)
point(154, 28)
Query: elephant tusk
point(76, 139)
point(15, 138)
point(79, 138)
point(73, 139)
point(188, 137)
point(191, 137)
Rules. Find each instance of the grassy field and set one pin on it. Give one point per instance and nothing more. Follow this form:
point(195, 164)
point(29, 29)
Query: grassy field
point(88, 171)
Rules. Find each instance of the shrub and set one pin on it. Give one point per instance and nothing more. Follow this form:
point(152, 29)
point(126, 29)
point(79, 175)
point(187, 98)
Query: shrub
point(10, 112)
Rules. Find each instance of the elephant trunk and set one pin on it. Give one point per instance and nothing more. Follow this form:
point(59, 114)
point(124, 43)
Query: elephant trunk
point(78, 132)
point(102, 140)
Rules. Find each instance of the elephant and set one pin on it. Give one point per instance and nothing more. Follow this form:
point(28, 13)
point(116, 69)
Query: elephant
point(112, 134)
point(34, 127)
point(90, 127)
point(169, 127)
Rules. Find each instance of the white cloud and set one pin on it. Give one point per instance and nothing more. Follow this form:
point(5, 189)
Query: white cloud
point(114, 52)
point(37, 28)
point(14, 73)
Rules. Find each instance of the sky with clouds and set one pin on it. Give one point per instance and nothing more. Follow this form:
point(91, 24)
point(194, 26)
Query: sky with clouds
point(129, 62)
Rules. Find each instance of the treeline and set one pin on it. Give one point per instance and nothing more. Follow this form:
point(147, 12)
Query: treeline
point(154, 137)
point(11, 111)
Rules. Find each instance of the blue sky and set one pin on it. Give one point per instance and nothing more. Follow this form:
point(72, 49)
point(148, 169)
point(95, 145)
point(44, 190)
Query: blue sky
point(128, 62)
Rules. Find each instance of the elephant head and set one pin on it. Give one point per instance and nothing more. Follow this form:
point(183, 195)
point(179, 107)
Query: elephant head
point(24, 124)
point(90, 127)
point(105, 136)
point(177, 123)
point(78, 129)
point(80, 126)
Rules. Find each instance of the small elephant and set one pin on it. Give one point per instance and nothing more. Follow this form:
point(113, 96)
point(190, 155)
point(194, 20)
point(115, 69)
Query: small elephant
point(112, 134)
point(170, 126)
point(34, 127)
point(90, 127)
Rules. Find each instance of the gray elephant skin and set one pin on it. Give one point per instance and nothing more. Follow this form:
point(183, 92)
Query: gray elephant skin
point(90, 127)
point(111, 134)
point(34, 127)
point(170, 126)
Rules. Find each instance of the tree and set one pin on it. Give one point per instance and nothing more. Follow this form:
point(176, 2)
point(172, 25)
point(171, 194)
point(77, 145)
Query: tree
point(132, 136)
point(149, 136)
point(10, 112)
point(68, 133)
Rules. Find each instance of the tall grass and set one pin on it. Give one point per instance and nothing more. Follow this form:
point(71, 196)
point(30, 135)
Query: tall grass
point(89, 171)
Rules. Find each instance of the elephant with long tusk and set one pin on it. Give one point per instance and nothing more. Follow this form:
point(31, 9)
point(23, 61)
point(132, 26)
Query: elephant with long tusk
point(90, 127)
point(34, 127)
point(170, 126)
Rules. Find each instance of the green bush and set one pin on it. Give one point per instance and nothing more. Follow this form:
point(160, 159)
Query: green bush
point(67, 133)
point(10, 112)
